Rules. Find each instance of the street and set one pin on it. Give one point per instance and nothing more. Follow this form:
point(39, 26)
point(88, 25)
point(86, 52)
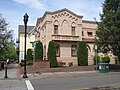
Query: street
point(85, 80)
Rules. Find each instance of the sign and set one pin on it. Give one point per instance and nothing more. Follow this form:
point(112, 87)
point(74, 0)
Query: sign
point(35, 42)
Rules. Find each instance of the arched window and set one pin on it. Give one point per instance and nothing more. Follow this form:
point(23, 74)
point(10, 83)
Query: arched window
point(74, 50)
point(56, 27)
point(57, 50)
point(65, 27)
point(73, 31)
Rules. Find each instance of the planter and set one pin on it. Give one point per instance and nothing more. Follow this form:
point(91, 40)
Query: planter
point(42, 64)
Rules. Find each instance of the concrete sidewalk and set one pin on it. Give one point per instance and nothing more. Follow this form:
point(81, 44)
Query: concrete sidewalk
point(55, 74)
point(12, 82)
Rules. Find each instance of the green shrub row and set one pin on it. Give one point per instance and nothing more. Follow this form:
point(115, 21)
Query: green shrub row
point(104, 59)
point(28, 63)
point(38, 51)
point(52, 54)
point(82, 53)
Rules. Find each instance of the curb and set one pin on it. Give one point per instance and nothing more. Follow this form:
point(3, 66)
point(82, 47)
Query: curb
point(107, 87)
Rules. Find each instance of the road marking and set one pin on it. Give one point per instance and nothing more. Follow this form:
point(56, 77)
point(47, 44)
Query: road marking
point(29, 85)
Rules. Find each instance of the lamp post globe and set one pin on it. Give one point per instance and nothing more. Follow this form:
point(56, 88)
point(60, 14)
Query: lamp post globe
point(25, 23)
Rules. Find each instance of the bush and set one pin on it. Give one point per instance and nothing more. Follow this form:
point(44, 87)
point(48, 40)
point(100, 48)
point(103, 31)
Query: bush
point(105, 59)
point(98, 59)
point(28, 63)
point(38, 51)
point(52, 54)
point(29, 55)
point(82, 53)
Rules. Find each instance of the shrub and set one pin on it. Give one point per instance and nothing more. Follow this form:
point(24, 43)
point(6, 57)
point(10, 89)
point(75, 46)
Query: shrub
point(105, 59)
point(82, 53)
point(29, 55)
point(98, 59)
point(38, 51)
point(52, 54)
point(28, 63)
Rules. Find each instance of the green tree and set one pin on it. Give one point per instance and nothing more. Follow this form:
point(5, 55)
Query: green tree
point(82, 53)
point(9, 51)
point(38, 51)
point(6, 40)
point(51, 54)
point(108, 32)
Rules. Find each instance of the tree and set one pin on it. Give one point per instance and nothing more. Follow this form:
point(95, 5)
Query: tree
point(38, 51)
point(5, 34)
point(108, 32)
point(51, 54)
point(6, 40)
point(9, 51)
point(82, 53)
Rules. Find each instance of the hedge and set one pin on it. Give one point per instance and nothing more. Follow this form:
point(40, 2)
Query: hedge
point(82, 53)
point(51, 54)
point(29, 54)
point(38, 51)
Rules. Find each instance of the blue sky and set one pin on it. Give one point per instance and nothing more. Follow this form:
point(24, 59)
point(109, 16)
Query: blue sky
point(13, 10)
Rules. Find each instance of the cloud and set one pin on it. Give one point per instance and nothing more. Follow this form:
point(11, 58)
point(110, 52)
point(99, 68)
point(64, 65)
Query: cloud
point(36, 4)
point(89, 9)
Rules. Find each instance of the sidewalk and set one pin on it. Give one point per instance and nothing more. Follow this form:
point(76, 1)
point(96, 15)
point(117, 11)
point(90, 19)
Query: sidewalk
point(33, 73)
point(12, 82)
point(16, 82)
point(55, 74)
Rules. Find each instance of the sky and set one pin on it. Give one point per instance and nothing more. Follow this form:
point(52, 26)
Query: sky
point(14, 10)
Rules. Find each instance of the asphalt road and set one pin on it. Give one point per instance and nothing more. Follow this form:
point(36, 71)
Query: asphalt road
point(88, 80)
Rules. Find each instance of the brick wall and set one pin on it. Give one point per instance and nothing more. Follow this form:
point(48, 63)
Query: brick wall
point(42, 64)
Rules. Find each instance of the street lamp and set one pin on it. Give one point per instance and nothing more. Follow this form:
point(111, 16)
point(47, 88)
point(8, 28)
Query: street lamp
point(96, 56)
point(25, 23)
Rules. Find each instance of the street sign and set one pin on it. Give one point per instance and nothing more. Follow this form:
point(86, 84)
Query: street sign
point(35, 42)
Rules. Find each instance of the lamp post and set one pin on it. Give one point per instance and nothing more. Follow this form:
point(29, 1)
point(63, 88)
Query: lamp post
point(96, 56)
point(25, 23)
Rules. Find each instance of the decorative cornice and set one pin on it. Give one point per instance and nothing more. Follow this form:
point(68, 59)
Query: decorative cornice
point(61, 10)
point(92, 22)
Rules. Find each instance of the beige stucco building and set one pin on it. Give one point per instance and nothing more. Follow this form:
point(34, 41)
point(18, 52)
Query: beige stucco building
point(66, 28)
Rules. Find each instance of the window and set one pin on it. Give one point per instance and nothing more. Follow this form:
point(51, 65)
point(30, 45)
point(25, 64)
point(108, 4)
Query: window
point(55, 29)
point(73, 30)
point(82, 33)
point(90, 34)
point(57, 50)
point(74, 50)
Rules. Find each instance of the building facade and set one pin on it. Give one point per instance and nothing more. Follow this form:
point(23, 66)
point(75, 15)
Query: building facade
point(66, 28)
point(30, 38)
